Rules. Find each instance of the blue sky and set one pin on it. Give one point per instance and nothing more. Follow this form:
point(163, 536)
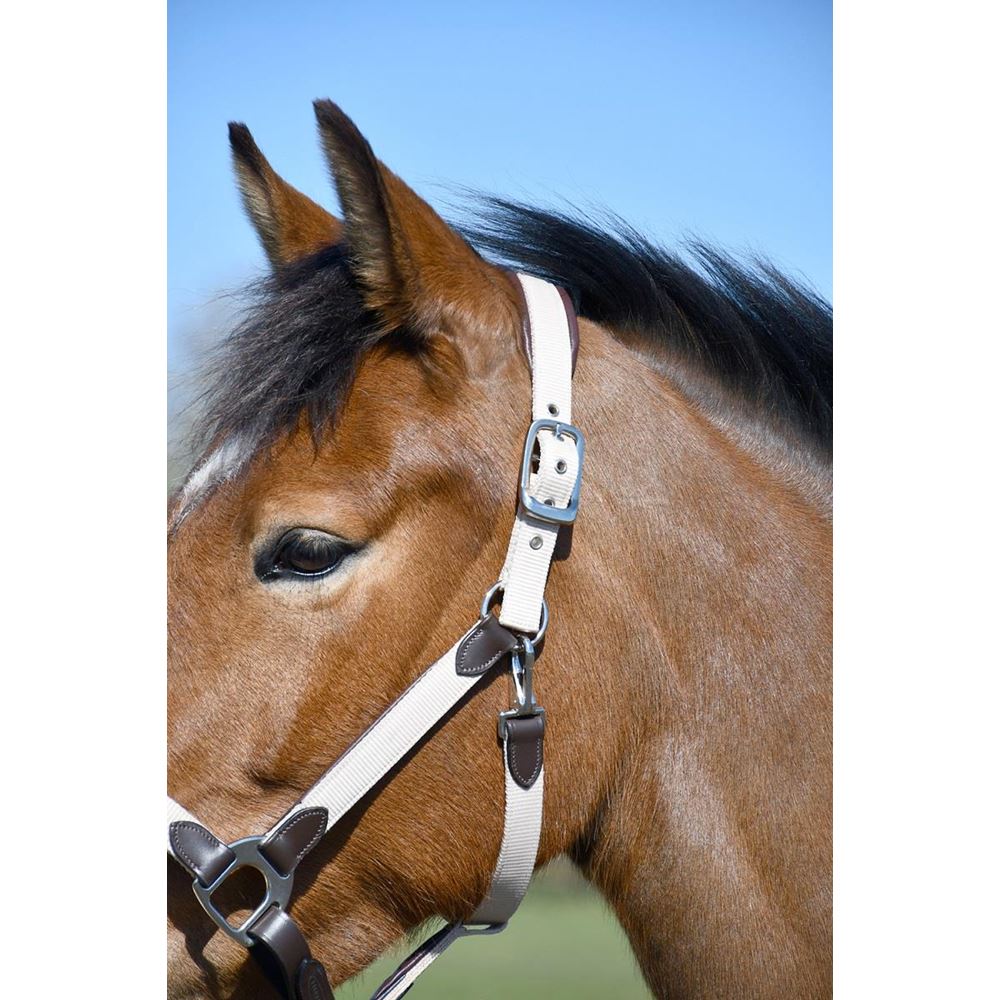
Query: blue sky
point(711, 117)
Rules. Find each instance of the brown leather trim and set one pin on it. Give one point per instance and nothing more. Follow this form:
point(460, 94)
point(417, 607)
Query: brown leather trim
point(524, 739)
point(522, 309)
point(202, 854)
point(283, 954)
point(564, 543)
point(312, 983)
point(483, 647)
point(294, 839)
point(574, 329)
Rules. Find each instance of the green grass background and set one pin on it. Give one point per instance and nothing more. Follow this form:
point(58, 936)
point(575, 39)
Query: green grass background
point(562, 942)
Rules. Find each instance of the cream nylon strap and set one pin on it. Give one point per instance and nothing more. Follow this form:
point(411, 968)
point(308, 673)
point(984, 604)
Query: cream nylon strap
point(533, 541)
point(523, 578)
point(527, 568)
point(436, 692)
point(522, 826)
point(397, 731)
point(176, 813)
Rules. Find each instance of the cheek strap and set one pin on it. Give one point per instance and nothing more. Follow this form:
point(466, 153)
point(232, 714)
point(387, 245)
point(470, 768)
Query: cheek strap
point(548, 495)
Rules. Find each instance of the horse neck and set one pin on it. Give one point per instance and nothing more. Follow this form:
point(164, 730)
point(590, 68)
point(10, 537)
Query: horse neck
point(689, 763)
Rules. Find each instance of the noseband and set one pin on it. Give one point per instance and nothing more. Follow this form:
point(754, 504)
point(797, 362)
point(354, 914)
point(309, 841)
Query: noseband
point(548, 496)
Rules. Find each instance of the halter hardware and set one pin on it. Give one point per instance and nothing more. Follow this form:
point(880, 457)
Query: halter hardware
point(490, 598)
point(269, 932)
point(538, 508)
point(277, 888)
point(522, 666)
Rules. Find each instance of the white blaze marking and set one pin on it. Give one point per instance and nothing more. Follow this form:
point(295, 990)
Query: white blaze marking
point(220, 465)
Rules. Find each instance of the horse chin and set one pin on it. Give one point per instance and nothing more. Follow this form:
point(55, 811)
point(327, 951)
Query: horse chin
point(204, 964)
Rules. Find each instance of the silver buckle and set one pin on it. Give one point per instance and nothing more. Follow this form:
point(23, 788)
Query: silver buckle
point(536, 508)
point(278, 888)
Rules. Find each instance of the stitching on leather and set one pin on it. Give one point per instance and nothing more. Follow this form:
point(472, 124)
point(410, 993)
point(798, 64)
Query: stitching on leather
point(307, 814)
point(512, 758)
point(201, 832)
point(467, 643)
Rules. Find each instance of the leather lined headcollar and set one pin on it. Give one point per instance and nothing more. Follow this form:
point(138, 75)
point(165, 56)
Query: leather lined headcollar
point(548, 494)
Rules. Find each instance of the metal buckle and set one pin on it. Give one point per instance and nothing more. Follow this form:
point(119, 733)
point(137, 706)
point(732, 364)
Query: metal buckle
point(536, 508)
point(522, 665)
point(278, 888)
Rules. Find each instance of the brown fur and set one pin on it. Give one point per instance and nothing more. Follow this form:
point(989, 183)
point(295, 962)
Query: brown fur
point(289, 224)
point(685, 677)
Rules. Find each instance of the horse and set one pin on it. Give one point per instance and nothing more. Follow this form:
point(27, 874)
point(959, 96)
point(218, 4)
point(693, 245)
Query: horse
point(362, 430)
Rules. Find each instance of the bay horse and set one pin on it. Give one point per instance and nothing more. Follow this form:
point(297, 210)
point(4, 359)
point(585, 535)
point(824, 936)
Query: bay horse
point(363, 428)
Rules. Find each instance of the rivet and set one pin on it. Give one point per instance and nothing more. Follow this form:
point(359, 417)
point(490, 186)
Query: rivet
point(553, 409)
point(536, 542)
point(560, 466)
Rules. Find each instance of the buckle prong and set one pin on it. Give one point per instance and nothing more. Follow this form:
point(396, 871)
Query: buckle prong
point(538, 508)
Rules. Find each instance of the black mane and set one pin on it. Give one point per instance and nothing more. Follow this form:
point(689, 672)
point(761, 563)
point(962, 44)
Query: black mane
point(297, 349)
point(762, 335)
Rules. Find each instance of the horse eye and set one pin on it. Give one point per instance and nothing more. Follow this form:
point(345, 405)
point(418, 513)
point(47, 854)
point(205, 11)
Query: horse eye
point(303, 552)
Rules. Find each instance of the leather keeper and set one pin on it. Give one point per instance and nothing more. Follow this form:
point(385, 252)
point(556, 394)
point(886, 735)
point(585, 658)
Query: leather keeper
point(483, 647)
point(294, 839)
point(201, 853)
point(524, 737)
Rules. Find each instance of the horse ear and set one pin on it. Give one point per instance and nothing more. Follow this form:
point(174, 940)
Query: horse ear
point(289, 225)
point(415, 269)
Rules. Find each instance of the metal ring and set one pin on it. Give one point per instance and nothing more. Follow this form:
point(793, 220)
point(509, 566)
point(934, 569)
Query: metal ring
point(490, 599)
point(543, 624)
point(277, 888)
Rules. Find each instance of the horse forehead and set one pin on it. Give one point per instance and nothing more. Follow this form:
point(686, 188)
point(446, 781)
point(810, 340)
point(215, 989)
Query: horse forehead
point(220, 465)
point(297, 468)
point(391, 426)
